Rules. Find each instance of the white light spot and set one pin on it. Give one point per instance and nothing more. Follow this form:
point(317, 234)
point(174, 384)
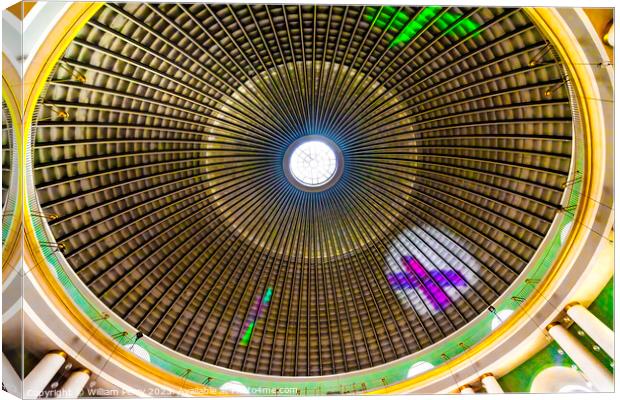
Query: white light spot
point(500, 317)
point(313, 163)
point(418, 368)
point(565, 231)
point(558, 379)
point(138, 351)
point(574, 389)
point(234, 387)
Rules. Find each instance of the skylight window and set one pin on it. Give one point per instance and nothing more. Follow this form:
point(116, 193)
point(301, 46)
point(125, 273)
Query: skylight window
point(313, 163)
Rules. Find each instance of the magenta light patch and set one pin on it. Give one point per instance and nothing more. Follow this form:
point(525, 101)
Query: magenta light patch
point(430, 284)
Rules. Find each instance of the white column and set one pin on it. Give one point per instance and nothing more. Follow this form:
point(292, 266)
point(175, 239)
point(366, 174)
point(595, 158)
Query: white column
point(43, 373)
point(597, 330)
point(591, 367)
point(74, 384)
point(10, 378)
point(466, 389)
point(490, 384)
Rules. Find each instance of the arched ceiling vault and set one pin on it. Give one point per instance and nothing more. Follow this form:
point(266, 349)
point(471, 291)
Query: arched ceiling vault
point(159, 143)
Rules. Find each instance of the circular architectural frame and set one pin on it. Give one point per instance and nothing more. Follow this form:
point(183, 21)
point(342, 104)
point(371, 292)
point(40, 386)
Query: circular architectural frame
point(391, 275)
point(398, 387)
point(296, 180)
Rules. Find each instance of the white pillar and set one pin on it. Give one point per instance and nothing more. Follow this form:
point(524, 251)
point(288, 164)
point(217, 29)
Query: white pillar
point(591, 367)
point(43, 373)
point(74, 384)
point(466, 389)
point(490, 384)
point(10, 378)
point(597, 330)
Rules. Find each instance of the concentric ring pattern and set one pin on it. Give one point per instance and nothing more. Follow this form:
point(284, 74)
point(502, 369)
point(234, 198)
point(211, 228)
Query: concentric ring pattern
point(159, 145)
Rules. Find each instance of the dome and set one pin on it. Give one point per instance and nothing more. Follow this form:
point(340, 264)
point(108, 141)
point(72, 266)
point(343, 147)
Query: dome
point(160, 143)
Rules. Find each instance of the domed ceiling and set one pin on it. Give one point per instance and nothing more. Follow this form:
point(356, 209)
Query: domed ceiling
point(160, 146)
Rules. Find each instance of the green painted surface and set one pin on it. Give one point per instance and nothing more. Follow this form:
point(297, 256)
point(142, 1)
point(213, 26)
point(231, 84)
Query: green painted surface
point(520, 379)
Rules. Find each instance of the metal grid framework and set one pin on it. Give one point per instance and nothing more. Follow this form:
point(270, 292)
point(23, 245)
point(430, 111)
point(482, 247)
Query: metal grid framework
point(159, 144)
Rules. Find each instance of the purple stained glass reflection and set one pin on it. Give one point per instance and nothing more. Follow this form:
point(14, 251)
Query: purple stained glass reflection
point(430, 284)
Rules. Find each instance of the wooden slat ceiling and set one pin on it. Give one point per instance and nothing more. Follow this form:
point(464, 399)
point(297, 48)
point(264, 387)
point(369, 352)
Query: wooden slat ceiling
point(160, 142)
